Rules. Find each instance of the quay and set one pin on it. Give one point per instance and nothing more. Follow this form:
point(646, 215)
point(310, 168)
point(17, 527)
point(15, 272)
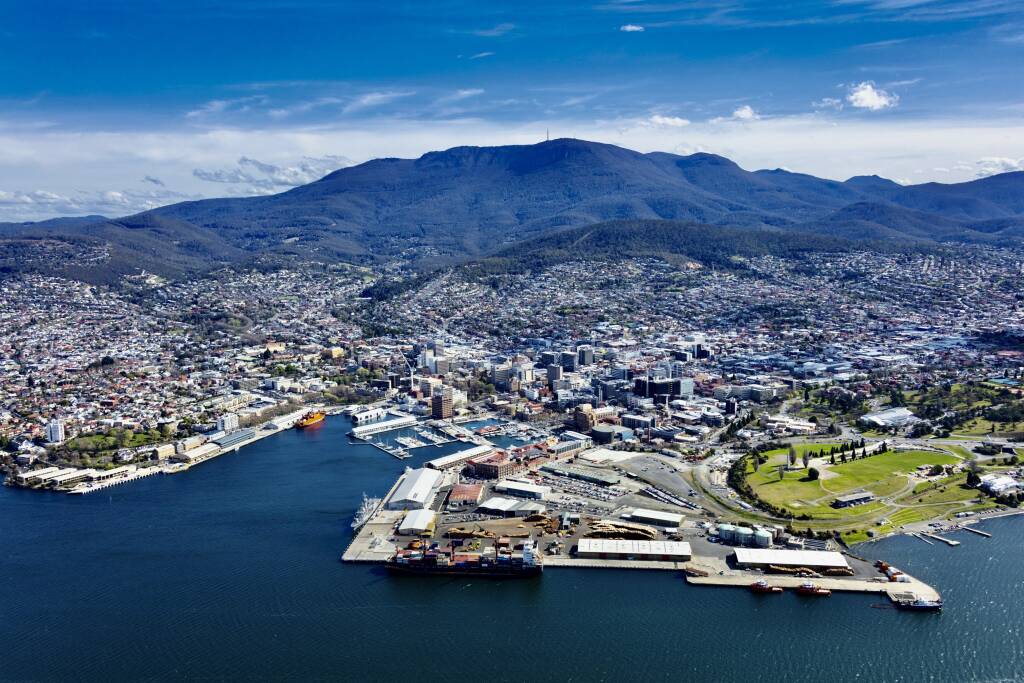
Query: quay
point(977, 531)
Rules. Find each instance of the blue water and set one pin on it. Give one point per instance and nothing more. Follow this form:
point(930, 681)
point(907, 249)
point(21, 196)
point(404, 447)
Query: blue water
point(230, 571)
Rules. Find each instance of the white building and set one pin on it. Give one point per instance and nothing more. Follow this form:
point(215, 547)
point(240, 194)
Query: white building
point(228, 422)
point(55, 431)
point(416, 490)
point(417, 522)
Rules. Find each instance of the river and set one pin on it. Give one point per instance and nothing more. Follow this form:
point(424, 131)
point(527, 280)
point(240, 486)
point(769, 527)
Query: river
point(230, 571)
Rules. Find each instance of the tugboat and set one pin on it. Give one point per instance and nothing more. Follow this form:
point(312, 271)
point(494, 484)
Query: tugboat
point(809, 588)
point(310, 419)
point(763, 586)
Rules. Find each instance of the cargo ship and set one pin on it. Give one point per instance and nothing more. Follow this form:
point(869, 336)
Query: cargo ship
point(505, 563)
point(310, 419)
point(763, 586)
point(811, 589)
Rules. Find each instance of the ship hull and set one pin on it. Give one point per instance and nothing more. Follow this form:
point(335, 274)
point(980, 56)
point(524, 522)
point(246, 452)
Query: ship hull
point(489, 572)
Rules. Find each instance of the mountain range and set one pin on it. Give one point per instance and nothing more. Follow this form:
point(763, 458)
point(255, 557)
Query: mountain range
point(467, 202)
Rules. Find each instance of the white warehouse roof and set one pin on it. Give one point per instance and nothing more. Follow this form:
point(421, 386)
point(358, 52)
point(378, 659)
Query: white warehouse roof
point(791, 558)
point(657, 516)
point(416, 521)
point(416, 489)
point(459, 457)
point(610, 546)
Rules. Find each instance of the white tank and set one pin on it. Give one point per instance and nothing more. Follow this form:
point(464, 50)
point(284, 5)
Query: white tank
point(744, 535)
point(762, 538)
point(727, 532)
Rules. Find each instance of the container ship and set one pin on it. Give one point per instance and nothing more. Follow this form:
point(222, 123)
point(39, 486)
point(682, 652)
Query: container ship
point(310, 419)
point(503, 563)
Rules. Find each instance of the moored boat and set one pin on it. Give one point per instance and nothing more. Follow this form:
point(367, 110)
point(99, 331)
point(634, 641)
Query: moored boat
point(763, 586)
point(314, 417)
point(809, 588)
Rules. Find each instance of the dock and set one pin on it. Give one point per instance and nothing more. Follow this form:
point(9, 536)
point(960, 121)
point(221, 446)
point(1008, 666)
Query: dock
point(977, 531)
point(951, 543)
point(922, 538)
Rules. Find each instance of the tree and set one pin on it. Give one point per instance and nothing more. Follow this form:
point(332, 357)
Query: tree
point(832, 460)
point(813, 474)
point(782, 472)
point(806, 459)
point(792, 455)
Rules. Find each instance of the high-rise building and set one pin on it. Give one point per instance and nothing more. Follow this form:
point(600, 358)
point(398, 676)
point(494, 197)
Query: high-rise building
point(442, 403)
point(228, 422)
point(55, 431)
point(585, 354)
point(569, 361)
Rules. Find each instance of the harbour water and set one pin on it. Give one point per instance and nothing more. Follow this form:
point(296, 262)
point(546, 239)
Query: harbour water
point(230, 571)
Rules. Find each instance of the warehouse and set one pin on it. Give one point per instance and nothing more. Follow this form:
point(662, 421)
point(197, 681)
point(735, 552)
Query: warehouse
point(465, 495)
point(612, 549)
point(656, 517)
point(459, 458)
point(582, 473)
point(506, 507)
point(416, 490)
point(417, 522)
point(523, 489)
point(758, 558)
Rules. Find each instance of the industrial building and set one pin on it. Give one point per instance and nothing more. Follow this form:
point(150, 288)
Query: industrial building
point(385, 426)
point(760, 558)
point(465, 495)
point(656, 517)
point(523, 489)
point(417, 522)
point(416, 490)
point(506, 507)
point(459, 458)
point(608, 548)
point(582, 473)
point(234, 438)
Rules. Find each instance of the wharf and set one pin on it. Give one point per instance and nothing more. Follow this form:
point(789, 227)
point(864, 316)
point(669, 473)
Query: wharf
point(951, 543)
point(370, 542)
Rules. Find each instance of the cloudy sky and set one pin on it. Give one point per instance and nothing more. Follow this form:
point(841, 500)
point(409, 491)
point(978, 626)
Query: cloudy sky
point(113, 106)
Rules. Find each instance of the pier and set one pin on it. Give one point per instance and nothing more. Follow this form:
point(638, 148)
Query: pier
point(947, 541)
point(977, 531)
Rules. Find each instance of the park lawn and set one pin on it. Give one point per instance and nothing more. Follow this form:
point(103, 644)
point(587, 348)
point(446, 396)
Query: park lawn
point(793, 487)
point(957, 450)
point(104, 442)
point(801, 448)
point(877, 471)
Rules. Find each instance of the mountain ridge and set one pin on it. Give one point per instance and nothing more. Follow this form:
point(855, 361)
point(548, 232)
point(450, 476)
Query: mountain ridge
point(465, 202)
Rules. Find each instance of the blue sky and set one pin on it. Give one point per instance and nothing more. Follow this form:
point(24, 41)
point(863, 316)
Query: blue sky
point(113, 107)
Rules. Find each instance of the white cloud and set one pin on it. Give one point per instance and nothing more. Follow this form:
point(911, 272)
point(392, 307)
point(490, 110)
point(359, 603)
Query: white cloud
point(481, 55)
point(631, 28)
point(668, 121)
point(458, 95)
point(374, 99)
point(499, 30)
point(828, 103)
point(263, 176)
point(987, 166)
point(16, 206)
point(743, 113)
point(153, 181)
point(215, 107)
point(865, 95)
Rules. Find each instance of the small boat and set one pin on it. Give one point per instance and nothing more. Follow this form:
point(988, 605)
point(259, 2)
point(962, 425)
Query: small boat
point(763, 586)
point(809, 588)
point(310, 419)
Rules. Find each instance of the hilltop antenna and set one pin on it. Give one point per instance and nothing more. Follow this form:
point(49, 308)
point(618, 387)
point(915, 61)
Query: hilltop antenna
point(547, 134)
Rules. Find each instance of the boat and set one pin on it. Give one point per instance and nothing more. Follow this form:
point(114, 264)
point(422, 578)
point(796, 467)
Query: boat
point(809, 588)
point(364, 512)
point(763, 586)
point(920, 605)
point(444, 561)
point(310, 419)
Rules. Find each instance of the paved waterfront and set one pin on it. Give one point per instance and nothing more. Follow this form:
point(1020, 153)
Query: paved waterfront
point(230, 571)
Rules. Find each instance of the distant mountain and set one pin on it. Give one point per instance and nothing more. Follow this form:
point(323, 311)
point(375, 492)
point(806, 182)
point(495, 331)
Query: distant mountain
point(470, 201)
